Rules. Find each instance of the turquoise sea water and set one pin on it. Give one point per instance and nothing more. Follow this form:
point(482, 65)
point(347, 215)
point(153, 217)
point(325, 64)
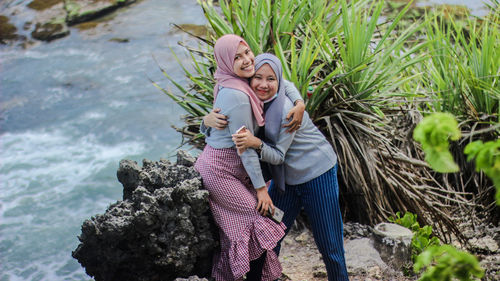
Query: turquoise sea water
point(70, 110)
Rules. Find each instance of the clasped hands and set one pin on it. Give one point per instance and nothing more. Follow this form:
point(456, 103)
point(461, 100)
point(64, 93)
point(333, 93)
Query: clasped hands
point(245, 139)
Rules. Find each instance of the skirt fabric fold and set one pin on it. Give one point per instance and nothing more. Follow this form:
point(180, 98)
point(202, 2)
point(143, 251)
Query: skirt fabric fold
point(244, 234)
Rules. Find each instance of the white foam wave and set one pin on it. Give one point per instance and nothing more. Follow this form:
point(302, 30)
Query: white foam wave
point(48, 186)
point(53, 156)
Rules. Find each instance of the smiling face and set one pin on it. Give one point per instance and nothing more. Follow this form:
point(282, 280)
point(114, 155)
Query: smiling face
point(264, 83)
point(244, 62)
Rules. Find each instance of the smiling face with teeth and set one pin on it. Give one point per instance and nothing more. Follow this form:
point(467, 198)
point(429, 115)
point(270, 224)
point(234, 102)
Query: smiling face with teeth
point(244, 62)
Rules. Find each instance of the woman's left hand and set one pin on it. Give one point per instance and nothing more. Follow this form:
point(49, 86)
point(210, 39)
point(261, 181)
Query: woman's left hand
point(245, 139)
point(297, 112)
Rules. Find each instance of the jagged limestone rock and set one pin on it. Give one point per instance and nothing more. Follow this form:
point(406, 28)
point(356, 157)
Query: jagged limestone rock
point(162, 229)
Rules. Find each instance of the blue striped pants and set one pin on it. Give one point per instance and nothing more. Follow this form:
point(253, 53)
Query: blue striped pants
point(320, 199)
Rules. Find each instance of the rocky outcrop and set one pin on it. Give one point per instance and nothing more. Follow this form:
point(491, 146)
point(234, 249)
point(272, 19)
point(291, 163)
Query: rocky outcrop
point(52, 17)
point(161, 230)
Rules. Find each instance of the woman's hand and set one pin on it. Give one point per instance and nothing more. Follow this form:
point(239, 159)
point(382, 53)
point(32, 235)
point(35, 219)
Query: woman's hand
point(215, 120)
point(297, 112)
point(245, 139)
point(264, 201)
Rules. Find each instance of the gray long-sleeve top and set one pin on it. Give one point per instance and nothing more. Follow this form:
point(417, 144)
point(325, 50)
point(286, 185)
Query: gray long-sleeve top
point(235, 105)
point(305, 153)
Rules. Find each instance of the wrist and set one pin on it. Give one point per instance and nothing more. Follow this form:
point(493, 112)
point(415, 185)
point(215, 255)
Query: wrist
point(297, 102)
point(261, 189)
point(259, 146)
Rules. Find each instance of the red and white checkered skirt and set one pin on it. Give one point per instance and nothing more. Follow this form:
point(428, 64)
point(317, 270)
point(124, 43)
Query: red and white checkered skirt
point(244, 234)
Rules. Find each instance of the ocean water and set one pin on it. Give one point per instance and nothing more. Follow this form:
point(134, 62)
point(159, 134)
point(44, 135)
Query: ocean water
point(70, 110)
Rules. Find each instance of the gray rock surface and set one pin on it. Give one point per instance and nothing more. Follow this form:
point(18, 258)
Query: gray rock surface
point(162, 229)
point(393, 242)
point(361, 256)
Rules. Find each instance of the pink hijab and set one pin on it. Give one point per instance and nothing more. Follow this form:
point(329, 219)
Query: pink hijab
point(225, 50)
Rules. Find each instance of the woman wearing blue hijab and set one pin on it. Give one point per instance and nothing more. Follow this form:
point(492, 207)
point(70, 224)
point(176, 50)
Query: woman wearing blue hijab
point(303, 166)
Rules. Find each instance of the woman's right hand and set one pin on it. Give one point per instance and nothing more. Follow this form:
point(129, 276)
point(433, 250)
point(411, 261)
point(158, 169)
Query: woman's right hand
point(245, 139)
point(215, 120)
point(264, 201)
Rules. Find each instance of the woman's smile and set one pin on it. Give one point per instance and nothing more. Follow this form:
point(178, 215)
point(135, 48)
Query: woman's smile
point(264, 83)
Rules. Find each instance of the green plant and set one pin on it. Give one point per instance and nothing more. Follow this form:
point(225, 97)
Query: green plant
point(487, 156)
point(434, 133)
point(422, 236)
point(446, 263)
point(377, 58)
point(464, 68)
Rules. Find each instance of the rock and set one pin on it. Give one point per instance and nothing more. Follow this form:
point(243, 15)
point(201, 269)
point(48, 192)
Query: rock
point(354, 230)
point(7, 30)
point(191, 278)
point(361, 257)
point(185, 159)
point(128, 175)
point(319, 271)
point(303, 237)
point(484, 245)
point(50, 20)
point(162, 229)
point(49, 31)
point(374, 272)
point(41, 5)
point(83, 10)
point(154, 175)
point(119, 40)
point(393, 242)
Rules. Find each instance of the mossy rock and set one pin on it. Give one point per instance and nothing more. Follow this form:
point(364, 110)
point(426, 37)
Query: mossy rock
point(87, 25)
point(7, 30)
point(195, 29)
point(40, 5)
point(83, 10)
point(119, 40)
point(50, 31)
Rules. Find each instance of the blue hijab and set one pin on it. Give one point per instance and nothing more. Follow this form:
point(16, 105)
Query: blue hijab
point(274, 113)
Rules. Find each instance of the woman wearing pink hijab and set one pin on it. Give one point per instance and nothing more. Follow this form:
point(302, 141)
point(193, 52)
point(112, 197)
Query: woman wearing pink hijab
point(238, 199)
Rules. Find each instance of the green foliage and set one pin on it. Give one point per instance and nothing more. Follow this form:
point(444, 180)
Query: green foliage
point(463, 71)
point(434, 133)
point(371, 55)
point(487, 156)
point(421, 235)
point(197, 100)
point(446, 263)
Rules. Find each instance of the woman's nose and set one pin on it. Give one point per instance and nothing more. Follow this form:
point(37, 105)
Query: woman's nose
point(247, 59)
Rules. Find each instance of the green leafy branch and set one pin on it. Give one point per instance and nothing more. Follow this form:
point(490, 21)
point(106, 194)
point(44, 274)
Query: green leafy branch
point(446, 263)
point(487, 156)
point(434, 133)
